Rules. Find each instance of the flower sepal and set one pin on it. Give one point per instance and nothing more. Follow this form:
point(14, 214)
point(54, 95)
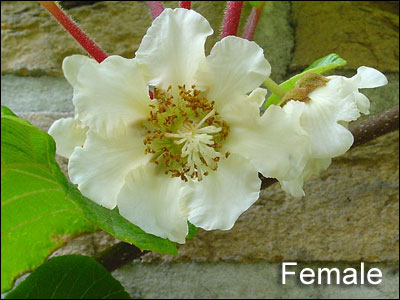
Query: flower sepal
point(320, 66)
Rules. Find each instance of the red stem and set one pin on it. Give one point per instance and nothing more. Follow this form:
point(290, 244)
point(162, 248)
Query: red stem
point(156, 8)
point(232, 18)
point(184, 4)
point(89, 45)
point(252, 22)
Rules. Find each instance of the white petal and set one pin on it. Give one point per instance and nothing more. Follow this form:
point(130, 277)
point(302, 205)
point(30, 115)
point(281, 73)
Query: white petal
point(314, 166)
point(369, 78)
point(275, 142)
point(257, 96)
point(362, 102)
point(151, 200)
point(67, 134)
point(221, 197)
point(321, 118)
point(234, 66)
point(110, 95)
point(338, 87)
point(173, 47)
point(72, 66)
point(100, 167)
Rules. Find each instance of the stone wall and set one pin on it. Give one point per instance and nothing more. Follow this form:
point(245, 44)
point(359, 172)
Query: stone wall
point(350, 212)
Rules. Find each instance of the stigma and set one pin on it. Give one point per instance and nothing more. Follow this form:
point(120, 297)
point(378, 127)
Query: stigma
point(185, 134)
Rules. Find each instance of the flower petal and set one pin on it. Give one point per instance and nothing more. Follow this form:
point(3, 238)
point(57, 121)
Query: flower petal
point(221, 197)
point(235, 67)
point(257, 96)
point(67, 134)
point(295, 186)
point(151, 200)
point(362, 102)
point(110, 95)
point(99, 168)
point(323, 117)
point(369, 78)
point(72, 66)
point(173, 47)
point(275, 143)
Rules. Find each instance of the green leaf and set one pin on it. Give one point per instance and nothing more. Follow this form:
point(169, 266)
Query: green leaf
point(322, 65)
point(255, 3)
point(35, 217)
point(326, 63)
point(70, 277)
point(7, 113)
point(192, 231)
point(112, 222)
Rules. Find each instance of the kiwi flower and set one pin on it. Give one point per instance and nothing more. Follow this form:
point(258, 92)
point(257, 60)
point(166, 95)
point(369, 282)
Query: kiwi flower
point(326, 106)
point(193, 151)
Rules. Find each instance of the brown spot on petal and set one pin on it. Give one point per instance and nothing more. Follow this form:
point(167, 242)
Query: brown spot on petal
point(303, 87)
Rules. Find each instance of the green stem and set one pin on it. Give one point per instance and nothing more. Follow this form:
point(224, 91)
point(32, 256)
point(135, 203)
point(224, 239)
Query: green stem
point(275, 88)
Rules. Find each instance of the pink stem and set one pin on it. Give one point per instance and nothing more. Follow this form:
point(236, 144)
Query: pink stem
point(89, 45)
point(156, 8)
point(252, 22)
point(184, 4)
point(232, 18)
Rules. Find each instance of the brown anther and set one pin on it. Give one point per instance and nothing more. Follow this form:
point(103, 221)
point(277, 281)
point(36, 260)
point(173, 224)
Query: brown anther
point(227, 154)
point(203, 161)
point(183, 177)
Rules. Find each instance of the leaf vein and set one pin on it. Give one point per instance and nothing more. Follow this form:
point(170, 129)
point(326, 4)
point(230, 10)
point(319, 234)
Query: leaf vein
point(35, 219)
point(16, 197)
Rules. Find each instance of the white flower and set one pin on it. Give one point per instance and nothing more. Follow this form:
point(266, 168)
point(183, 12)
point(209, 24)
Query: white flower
point(325, 118)
point(194, 152)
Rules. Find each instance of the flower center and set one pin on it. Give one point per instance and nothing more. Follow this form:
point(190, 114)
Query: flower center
point(185, 133)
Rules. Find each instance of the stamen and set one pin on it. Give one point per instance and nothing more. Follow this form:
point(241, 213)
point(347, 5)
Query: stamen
point(175, 136)
point(211, 113)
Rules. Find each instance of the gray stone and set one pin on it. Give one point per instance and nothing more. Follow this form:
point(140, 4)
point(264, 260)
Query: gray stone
point(245, 280)
point(87, 244)
point(274, 34)
point(37, 45)
point(362, 32)
point(43, 120)
point(36, 94)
